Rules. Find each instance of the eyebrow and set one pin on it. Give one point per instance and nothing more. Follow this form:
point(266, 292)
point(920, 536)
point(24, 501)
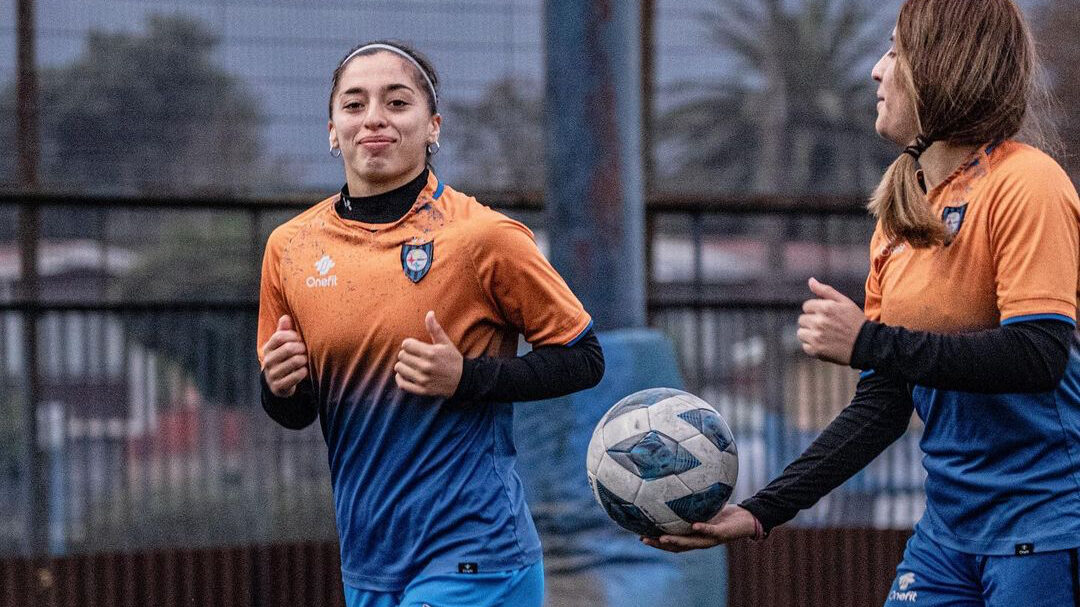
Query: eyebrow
point(389, 89)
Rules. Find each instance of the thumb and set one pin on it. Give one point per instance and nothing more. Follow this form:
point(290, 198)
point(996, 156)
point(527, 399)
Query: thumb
point(438, 336)
point(824, 291)
point(284, 323)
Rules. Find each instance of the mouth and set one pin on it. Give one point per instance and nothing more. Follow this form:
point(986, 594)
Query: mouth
point(376, 143)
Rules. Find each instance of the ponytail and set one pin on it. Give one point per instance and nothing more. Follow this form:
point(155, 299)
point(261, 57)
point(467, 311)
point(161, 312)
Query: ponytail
point(900, 203)
point(967, 68)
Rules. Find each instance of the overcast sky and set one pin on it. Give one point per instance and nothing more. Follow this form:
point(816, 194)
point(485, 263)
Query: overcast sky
point(286, 49)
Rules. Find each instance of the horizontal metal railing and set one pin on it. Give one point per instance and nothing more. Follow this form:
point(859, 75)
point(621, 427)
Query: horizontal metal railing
point(147, 409)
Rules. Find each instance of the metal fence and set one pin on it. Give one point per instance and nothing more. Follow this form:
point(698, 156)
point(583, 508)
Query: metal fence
point(727, 282)
point(147, 430)
point(149, 434)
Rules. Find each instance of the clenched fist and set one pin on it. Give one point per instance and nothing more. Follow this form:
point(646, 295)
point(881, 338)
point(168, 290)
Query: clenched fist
point(284, 359)
point(429, 369)
point(829, 324)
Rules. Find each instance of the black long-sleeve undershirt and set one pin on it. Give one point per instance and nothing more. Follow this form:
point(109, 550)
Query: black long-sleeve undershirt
point(295, 412)
point(387, 207)
point(879, 414)
point(1028, 356)
point(545, 372)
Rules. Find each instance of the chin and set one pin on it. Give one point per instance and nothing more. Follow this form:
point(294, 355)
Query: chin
point(890, 136)
point(375, 170)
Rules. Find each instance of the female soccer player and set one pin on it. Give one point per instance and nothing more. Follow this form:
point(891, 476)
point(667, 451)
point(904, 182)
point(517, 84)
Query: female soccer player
point(391, 312)
point(970, 318)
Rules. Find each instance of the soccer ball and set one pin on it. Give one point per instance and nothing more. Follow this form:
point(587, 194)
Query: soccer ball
point(660, 460)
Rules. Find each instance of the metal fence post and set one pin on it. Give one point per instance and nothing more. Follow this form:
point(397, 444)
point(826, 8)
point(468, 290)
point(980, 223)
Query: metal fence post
point(28, 147)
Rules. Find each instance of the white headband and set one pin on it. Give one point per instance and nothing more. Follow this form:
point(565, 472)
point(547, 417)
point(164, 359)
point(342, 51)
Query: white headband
point(394, 49)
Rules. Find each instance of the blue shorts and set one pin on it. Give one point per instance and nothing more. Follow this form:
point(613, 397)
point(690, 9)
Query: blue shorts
point(932, 575)
point(518, 588)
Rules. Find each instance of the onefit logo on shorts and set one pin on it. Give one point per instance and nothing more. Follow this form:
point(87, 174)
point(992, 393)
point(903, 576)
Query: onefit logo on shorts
point(323, 268)
point(904, 582)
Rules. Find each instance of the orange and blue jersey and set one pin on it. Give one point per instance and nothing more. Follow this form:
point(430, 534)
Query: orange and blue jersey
point(1003, 470)
point(421, 485)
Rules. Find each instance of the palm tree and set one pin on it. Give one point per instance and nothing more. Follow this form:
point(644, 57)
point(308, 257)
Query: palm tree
point(798, 114)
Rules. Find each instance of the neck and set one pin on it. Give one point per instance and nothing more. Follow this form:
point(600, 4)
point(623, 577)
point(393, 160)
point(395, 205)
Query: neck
point(941, 159)
point(360, 187)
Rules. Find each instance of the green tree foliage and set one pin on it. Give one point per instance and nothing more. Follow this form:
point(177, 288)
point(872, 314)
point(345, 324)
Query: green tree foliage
point(202, 256)
point(500, 139)
point(146, 112)
point(153, 112)
point(797, 114)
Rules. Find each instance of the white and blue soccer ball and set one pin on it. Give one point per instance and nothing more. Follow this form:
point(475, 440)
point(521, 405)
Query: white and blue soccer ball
point(660, 460)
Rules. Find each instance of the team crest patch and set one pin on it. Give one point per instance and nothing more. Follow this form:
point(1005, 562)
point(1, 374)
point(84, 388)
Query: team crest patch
point(416, 260)
point(953, 218)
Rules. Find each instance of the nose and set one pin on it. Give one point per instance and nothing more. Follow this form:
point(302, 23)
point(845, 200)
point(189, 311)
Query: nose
point(375, 117)
point(878, 70)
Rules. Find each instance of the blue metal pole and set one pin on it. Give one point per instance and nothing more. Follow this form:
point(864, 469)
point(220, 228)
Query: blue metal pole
point(595, 185)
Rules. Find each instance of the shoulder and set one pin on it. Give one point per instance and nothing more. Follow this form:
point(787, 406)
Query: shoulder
point(1020, 165)
point(284, 233)
point(478, 223)
point(881, 247)
point(877, 240)
point(1022, 176)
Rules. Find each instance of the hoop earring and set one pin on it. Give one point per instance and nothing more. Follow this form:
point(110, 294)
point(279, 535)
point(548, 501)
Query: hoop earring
point(433, 148)
point(338, 154)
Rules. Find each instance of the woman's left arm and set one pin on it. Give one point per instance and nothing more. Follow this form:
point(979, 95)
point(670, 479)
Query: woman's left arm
point(526, 293)
point(545, 372)
point(1025, 356)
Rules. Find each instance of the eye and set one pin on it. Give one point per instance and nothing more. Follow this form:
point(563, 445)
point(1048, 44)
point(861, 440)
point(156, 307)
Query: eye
point(398, 103)
point(353, 105)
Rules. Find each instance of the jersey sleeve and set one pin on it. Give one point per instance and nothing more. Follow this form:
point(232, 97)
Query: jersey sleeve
point(524, 287)
point(872, 304)
point(1035, 243)
point(272, 303)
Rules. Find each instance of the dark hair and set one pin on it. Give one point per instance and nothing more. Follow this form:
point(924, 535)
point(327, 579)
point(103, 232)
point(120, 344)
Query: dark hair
point(419, 57)
point(967, 67)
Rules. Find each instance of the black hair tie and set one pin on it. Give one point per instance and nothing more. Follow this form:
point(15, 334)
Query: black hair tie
point(915, 150)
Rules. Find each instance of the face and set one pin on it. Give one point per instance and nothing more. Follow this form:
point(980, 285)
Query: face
point(381, 121)
point(896, 119)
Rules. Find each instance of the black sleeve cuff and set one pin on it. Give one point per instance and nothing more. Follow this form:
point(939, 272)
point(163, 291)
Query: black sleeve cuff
point(546, 372)
point(294, 412)
point(1026, 356)
point(769, 518)
point(863, 350)
point(467, 387)
point(879, 413)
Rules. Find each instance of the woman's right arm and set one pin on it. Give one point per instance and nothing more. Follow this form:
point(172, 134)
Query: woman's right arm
point(287, 394)
point(295, 412)
point(286, 390)
point(879, 414)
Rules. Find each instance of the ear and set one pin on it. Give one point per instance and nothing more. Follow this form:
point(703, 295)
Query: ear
point(333, 133)
point(434, 128)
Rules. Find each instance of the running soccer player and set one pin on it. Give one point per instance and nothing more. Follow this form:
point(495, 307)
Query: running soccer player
point(970, 316)
point(391, 313)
